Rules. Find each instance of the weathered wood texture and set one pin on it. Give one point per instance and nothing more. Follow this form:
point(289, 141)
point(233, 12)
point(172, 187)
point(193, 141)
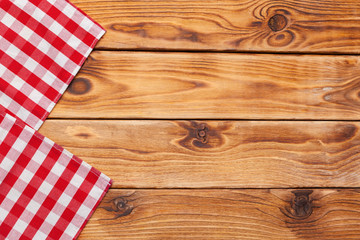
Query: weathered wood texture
point(220, 154)
point(226, 214)
point(215, 86)
point(206, 154)
point(329, 26)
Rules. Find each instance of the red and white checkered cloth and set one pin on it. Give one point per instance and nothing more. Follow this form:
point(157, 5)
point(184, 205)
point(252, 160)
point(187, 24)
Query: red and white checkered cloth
point(43, 44)
point(45, 191)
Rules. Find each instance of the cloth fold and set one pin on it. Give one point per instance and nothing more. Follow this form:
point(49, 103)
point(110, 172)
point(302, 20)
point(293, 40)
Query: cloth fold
point(45, 191)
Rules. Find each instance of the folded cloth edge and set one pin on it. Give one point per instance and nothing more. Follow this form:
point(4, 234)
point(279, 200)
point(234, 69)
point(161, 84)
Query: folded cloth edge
point(96, 40)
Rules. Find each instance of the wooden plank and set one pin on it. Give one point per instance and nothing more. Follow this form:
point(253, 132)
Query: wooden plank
point(326, 26)
point(209, 154)
point(226, 214)
point(214, 86)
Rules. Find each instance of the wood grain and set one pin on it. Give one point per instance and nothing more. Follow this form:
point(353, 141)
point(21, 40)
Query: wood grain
point(201, 153)
point(215, 154)
point(225, 214)
point(323, 26)
point(214, 86)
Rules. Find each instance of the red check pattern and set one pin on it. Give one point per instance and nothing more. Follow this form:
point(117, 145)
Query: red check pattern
point(43, 44)
point(46, 192)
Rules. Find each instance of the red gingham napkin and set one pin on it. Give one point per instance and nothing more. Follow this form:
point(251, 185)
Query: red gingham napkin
point(45, 191)
point(43, 44)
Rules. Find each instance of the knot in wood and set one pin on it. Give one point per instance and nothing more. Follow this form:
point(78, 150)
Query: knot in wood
point(301, 204)
point(120, 207)
point(120, 203)
point(277, 22)
point(201, 133)
point(301, 201)
point(79, 86)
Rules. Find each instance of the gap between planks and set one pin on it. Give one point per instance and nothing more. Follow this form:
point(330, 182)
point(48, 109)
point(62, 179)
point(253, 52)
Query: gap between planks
point(203, 119)
point(134, 50)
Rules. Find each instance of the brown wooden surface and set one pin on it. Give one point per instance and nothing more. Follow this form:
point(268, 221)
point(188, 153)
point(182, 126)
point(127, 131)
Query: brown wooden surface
point(226, 214)
point(227, 154)
point(330, 26)
point(127, 81)
point(213, 85)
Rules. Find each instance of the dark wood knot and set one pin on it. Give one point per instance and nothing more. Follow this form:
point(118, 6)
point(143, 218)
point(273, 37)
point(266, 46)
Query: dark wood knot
point(120, 206)
point(277, 22)
point(79, 86)
point(83, 135)
point(301, 204)
point(201, 132)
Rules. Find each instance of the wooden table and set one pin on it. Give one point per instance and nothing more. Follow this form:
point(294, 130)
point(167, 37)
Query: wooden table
point(231, 119)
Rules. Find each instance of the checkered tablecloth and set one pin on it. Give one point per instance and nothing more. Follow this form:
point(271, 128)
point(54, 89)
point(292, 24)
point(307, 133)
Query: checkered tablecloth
point(43, 44)
point(45, 191)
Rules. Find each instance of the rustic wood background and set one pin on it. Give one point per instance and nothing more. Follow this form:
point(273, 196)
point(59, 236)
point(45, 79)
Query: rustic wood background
point(231, 119)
